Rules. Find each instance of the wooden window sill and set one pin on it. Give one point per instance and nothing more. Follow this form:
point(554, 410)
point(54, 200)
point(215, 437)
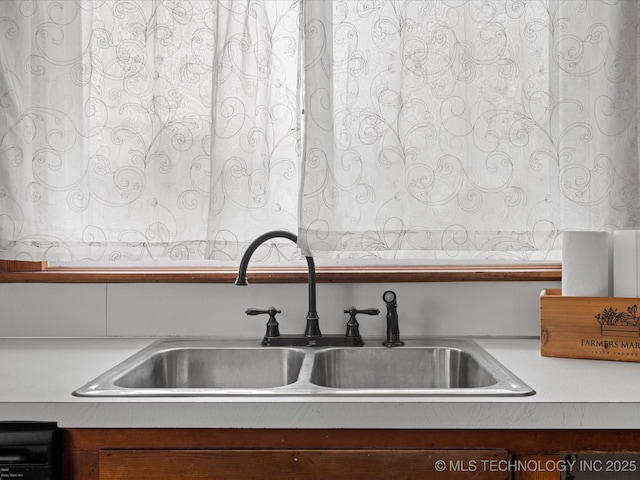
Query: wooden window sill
point(399, 274)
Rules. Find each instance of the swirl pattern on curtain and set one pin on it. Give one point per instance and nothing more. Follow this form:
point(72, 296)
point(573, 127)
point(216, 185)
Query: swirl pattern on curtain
point(256, 129)
point(468, 129)
point(596, 64)
point(105, 129)
point(138, 130)
point(142, 130)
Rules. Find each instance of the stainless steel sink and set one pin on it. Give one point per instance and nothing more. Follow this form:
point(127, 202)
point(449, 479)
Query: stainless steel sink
point(403, 368)
point(205, 367)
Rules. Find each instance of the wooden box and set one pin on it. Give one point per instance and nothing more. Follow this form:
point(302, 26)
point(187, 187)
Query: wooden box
point(599, 328)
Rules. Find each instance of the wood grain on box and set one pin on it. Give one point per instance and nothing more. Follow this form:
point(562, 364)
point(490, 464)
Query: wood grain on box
point(601, 328)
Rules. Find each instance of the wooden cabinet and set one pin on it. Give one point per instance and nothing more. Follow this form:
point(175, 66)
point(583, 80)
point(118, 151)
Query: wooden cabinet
point(252, 454)
point(295, 464)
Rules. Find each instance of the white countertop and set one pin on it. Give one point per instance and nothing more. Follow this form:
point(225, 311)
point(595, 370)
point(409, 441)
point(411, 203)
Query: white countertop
point(38, 376)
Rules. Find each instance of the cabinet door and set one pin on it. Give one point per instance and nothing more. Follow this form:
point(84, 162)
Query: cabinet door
point(367, 464)
point(537, 467)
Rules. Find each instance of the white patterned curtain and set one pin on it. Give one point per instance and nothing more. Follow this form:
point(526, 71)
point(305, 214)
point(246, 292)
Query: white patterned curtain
point(139, 130)
point(595, 125)
point(105, 129)
point(469, 129)
point(182, 129)
point(256, 125)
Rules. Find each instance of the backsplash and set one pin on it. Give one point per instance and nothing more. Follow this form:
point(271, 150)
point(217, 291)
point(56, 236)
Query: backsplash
point(99, 310)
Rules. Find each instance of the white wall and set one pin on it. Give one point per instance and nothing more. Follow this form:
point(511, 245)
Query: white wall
point(98, 310)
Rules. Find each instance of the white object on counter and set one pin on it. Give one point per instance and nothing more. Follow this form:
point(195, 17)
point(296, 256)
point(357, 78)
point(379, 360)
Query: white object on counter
point(626, 263)
point(587, 264)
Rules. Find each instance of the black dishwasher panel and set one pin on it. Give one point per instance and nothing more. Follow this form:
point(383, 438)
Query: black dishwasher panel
point(30, 451)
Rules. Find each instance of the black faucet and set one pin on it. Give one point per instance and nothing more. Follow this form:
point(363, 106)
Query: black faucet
point(393, 330)
point(312, 336)
point(312, 329)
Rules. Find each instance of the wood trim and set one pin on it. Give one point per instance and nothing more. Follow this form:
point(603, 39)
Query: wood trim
point(315, 464)
point(399, 274)
point(518, 442)
point(20, 266)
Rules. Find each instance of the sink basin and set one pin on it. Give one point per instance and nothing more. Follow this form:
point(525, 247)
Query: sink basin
point(206, 367)
point(188, 368)
point(412, 368)
point(198, 367)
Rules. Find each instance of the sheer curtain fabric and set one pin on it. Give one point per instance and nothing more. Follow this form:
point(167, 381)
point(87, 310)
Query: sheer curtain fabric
point(144, 130)
point(468, 129)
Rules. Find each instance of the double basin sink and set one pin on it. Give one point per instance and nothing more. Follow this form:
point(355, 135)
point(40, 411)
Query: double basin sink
point(207, 367)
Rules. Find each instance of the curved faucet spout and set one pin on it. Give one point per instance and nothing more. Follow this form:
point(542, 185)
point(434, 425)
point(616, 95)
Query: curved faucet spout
point(312, 329)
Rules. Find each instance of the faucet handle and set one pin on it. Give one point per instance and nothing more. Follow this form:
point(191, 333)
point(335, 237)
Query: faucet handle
point(353, 325)
point(272, 324)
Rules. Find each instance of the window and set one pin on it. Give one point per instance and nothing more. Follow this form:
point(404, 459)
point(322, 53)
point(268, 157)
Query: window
point(144, 130)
